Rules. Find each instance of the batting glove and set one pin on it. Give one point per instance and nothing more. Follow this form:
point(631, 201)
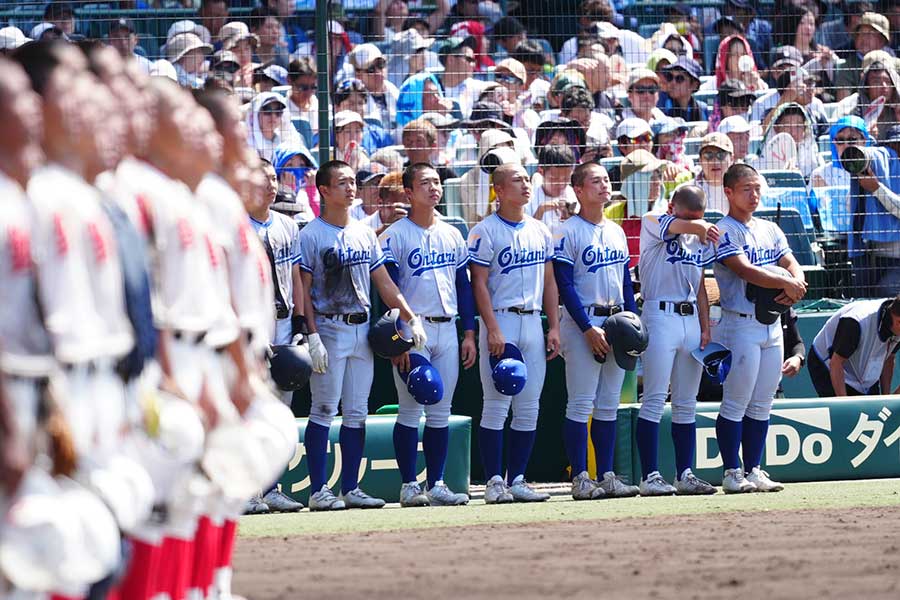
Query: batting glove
point(418, 333)
point(318, 353)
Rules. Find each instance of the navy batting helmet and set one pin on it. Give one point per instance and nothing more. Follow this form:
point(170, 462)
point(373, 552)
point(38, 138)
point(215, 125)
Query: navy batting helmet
point(628, 338)
point(767, 310)
point(422, 380)
point(390, 336)
point(509, 371)
point(290, 367)
point(716, 361)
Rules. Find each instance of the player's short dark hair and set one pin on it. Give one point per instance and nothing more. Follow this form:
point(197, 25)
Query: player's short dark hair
point(691, 197)
point(895, 306)
point(325, 172)
point(410, 172)
point(265, 163)
point(39, 59)
point(556, 156)
point(529, 51)
point(736, 173)
point(580, 173)
point(576, 97)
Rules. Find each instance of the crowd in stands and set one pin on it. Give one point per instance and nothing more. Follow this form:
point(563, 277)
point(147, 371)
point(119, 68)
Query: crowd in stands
point(784, 87)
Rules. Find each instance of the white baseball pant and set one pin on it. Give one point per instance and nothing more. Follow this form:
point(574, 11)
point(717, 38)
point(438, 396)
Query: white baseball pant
point(348, 378)
point(594, 388)
point(756, 357)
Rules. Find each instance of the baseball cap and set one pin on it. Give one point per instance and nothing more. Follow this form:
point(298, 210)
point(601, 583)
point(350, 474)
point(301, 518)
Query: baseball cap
point(717, 140)
point(410, 41)
point(11, 38)
point(371, 175)
point(183, 43)
point(876, 21)
point(669, 125)
point(602, 30)
point(223, 57)
point(486, 114)
point(122, 24)
point(234, 32)
point(688, 65)
point(787, 55)
point(188, 26)
point(726, 20)
point(633, 127)
point(734, 88)
point(345, 117)
point(734, 124)
point(640, 161)
point(877, 56)
point(273, 99)
point(452, 44)
point(893, 134)
point(566, 79)
point(659, 55)
point(641, 73)
point(41, 28)
point(365, 55)
point(276, 73)
point(163, 68)
point(514, 67)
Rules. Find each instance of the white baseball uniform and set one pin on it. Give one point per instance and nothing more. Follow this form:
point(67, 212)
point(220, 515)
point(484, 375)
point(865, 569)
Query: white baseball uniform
point(26, 354)
point(80, 288)
point(598, 255)
point(516, 256)
point(671, 268)
point(756, 348)
point(281, 234)
point(340, 260)
point(427, 260)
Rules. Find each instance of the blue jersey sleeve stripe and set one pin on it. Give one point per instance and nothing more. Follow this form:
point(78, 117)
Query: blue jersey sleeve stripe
point(478, 261)
point(377, 263)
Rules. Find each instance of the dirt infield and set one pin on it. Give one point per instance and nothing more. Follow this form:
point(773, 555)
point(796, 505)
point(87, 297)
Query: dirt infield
point(846, 553)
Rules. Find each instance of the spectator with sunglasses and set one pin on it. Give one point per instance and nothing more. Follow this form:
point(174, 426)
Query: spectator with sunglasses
point(847, 131)
point(457, 55)
point(302, 101)
point(716, 155)
point(683, 80)
point(370, 67)
point(643, 96)
point(733, 100)
point(632, 134)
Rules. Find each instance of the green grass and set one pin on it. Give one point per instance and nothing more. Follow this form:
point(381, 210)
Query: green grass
point(884, 492)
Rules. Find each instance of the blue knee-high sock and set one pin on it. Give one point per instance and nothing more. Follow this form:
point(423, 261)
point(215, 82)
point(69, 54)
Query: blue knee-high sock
point(435, 441)
point(491, 451)
point(520, 445)
point(316, 442)
point(406, 444)
point(754, 440)
point(603, 435)
point(575, 435)
point(648, 446)
point(684, 438)
point(728, 434)
point(353, 440)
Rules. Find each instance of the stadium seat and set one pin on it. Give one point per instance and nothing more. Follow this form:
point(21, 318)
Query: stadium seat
point(610, 162)
point(792, 225)
point(784, 179)
point(710, 48)
point(452, 197)
point(790, 198)
point(707, 97)
point(459, 224)
point(834, 209)
point(692, 146)
point(303, 128)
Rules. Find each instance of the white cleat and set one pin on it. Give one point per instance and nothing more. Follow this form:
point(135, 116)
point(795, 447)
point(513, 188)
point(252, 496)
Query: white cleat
point(691, 485)
point(279, 502)
point(761, 480)
point(496, 492)
point(522, 492)
point(441, 495)
point(655, 485)
point(411, 495)
point(734, 482)
point(325, 499)
point(585, 488)
point(359, 499)
point(614, 487)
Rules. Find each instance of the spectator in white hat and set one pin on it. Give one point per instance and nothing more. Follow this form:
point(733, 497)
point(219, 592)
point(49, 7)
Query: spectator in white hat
point(163, 68)
point(236, 36)
point(187, 53)
point(643, 95)
point(738, 131)
point(370, 67)
point(409, 54)
point(631, 134)
point(10, 39)
point(348, 138)
point(188, 26)
point(47, 31)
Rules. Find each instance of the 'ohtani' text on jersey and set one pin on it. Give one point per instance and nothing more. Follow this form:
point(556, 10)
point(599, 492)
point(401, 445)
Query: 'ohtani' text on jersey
point(595, 258)
point(335, 258)
point(676, 253)
point(421, 262)
point(511, 259)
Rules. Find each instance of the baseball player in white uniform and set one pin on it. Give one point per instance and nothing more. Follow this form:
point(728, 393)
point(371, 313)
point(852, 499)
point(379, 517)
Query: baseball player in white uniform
point(675, 248)
point(340, 258)
point(512, 279)
point(591, 266)
point(427, 259)
point(746, 244)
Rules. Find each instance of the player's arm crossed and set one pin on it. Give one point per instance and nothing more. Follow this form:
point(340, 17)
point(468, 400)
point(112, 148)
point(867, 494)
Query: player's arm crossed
point(706, 231)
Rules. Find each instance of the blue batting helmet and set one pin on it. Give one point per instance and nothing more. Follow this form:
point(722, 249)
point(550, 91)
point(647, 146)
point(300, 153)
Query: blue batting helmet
point(716, 361)
point(767, 310)
point(390, 336)
point(509, 371)
point(422, 380)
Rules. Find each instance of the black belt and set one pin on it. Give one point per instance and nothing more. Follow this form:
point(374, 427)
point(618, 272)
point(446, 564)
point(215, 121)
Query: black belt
point(350, 318)
point(191, 337)
point(519, 311)
point(606, 311)
point(437, 319)
point(679, 308)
